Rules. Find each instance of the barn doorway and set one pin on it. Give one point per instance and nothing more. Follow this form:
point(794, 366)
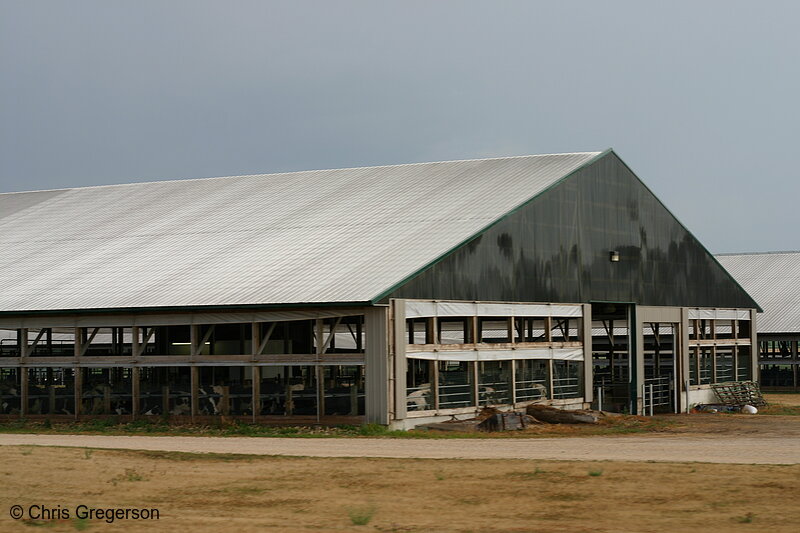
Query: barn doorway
point(660, 363)
point(611, 356)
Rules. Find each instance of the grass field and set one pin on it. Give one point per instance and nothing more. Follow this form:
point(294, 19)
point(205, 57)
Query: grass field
point(228, 492)
point(201, 492)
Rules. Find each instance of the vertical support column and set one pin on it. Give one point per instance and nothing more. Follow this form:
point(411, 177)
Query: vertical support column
point(194, 340)
point(513, 382)
point(320, 373)
point(78, 345)
point(194, 378)
point(683, 369)
point(135, 348)
point(22, 346)
point(476, 390)
point(754, 347)
point(319, 340)
point(23, 396)
point(636, 357)
point(376, 358)
point(22, 342)
point(255, 338)
point(431, 331)
point(473, 325)
point(713, 363)
point(256, 399)
point(135, 392)
point(400, 366)
point(588, 364)
point(435, 384)
point(78, 386)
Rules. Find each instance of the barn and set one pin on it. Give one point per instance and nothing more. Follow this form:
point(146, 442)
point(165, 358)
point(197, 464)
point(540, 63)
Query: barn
point(394, 295)
point(773, 279)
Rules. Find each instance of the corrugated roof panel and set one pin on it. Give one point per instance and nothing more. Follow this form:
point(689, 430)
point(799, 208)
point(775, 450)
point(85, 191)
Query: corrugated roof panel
point(773, 280)
point(319, 236)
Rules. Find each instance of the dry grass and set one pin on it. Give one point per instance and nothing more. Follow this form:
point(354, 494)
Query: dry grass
point(245, 493)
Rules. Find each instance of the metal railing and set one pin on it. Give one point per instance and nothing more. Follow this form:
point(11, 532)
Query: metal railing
point(566, 388)
point(657, 392)
point(451, 396)
point(531, 390)
point(494, 393)
point(419, 398)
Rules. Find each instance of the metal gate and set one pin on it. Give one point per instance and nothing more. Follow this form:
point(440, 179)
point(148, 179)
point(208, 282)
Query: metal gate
point(657, 393)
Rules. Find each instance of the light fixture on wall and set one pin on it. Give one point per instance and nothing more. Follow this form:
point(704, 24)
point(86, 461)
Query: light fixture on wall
point(613, 256)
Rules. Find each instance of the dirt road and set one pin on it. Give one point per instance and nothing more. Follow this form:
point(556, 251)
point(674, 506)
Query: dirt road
point(668, 448)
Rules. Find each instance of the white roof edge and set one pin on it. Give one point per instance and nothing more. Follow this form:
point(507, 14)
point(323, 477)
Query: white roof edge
point(172, 180)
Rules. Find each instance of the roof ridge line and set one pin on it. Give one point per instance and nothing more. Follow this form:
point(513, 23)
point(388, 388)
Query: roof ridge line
point(297, 172)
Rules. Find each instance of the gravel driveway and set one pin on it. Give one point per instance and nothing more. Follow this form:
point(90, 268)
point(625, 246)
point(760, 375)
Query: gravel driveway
point(666, 448)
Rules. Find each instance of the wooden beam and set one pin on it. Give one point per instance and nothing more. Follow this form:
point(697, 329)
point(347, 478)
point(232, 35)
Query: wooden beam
point(85, 344)
point(263, 343)
point(23, 386)
point(37, 339)
point(140, 348)
point(135, 391)
point(78, 345)
point(194, 379)
point(78, 391)
point(198, 347)
point(256, 391)
point(330, 337)
point(22, 342)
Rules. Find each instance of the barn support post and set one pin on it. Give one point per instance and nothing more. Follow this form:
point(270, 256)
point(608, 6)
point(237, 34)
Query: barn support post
point(256, 399)
point(376, 359)
point(319, 343)
point(636, 358)
point(753, 346)
point(22, 342)
point(588, 369)
point(194, 379)
point(23, 386)
point(683, 371)
point(400, 363)
point(135, 392)
point(78, 388)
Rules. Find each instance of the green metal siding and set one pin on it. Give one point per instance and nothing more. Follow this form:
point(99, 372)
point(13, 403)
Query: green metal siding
point(556, 249)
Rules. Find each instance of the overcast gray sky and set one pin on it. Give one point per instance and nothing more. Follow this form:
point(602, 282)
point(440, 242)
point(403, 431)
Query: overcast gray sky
point(700, 98)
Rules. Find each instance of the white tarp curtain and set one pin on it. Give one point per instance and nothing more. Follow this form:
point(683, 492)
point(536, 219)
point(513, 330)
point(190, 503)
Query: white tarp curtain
point(421, 309)
point(719, 314)
point(568, 354)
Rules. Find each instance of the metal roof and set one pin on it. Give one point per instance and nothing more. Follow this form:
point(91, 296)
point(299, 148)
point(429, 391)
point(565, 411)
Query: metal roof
point(773, 280)
point(320, 236)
